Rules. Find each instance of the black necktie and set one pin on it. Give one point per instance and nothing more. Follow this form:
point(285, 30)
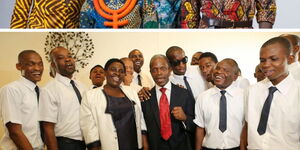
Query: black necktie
point(76, 91)
point(188, 87)
point(37, 91)
point(139, 80)
point(262, 126)
point(223, 112)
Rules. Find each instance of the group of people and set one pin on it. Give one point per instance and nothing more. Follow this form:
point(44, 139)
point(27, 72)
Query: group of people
point(205, 106)
point(212, 14)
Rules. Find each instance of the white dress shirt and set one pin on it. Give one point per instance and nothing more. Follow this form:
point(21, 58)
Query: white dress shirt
point(145, 79)
point(194, 78)
point(207, 116)
point(242, 83)
point(294, 69)
point(19, 105)
point(159, 93)
point(59, 104)
point(283, 126)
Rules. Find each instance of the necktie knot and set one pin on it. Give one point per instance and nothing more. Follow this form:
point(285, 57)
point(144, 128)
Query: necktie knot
point(163, 90)
point(72, 82)
point(139, 80)
point(272, 89)
point(77, 92)
point(223, 92)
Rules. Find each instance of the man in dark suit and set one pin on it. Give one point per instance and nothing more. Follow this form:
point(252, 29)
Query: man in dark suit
point(169, 112)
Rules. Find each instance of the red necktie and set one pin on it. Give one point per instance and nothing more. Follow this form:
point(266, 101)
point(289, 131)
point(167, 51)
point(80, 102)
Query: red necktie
point(164, 115)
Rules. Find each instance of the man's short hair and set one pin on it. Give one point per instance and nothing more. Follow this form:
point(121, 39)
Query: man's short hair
point(234, 64)
point(159, 56)
point(51, 52)
point(96, 67)
point(23, 53)
point(171, 50)
point(280, 40)
point(210, 55)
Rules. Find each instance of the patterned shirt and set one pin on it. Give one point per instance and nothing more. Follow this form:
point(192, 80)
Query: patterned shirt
point(90, 18)
point(46, 14)
point(230, 10)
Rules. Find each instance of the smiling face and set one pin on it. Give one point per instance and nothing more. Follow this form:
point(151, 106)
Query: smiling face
point(31, 67)
point(63, 62)
point(274, 62)
point(115, 74)
point(206, 65)
point(97, 76)
point(224, 74)
point(138, 60)
point(160, 71)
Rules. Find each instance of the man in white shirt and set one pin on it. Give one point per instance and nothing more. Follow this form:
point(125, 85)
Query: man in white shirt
point(207, 63)
point(139, 77)
point(129, 74)
point(294, 65)
point(19, 105)
point(219, 111)
point(97, 76)
point(188, 77)
point(60, 105)
point(272, 112)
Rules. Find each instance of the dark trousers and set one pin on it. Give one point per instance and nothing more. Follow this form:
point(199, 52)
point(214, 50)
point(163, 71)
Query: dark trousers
point(235, 148)
point(70, 144)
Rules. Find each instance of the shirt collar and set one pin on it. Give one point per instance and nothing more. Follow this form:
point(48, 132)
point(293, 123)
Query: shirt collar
point(28, 83)
point(66, 81)
point(283, 86)
point(167, 86)
point(229, 90)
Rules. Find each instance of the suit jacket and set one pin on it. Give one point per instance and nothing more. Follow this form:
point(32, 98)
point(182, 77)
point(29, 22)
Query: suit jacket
point(178, 141)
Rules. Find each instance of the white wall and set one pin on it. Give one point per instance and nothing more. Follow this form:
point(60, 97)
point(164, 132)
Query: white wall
point(242, 46)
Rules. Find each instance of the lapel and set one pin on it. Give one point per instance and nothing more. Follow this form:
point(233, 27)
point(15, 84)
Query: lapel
point(154, 106)
point(175, 97)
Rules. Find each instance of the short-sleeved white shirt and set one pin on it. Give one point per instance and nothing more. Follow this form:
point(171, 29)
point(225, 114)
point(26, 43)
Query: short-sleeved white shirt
point(19, 105)
point(194, 79)
point(207, 111)
point(283, 126)
point(59, 104)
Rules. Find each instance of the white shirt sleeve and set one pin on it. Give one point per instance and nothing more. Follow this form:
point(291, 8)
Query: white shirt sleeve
point(199, 118)
point(48, 106)
point(87, 121)
point(10, 108)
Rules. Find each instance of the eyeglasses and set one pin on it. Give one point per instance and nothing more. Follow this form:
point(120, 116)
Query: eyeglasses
point(177, 62)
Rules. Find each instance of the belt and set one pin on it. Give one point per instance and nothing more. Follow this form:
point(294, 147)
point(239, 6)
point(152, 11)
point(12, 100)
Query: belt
point(68, 140)
point(235, 148)
point(220, 23)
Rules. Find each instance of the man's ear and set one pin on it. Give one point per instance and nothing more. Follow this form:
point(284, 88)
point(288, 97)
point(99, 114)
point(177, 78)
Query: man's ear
point(19, 66)
point(290, 59)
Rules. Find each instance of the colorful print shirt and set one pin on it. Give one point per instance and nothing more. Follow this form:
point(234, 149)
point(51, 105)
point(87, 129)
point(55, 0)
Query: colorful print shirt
point(46, 14)
point(90, 18)
point(230, 10)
